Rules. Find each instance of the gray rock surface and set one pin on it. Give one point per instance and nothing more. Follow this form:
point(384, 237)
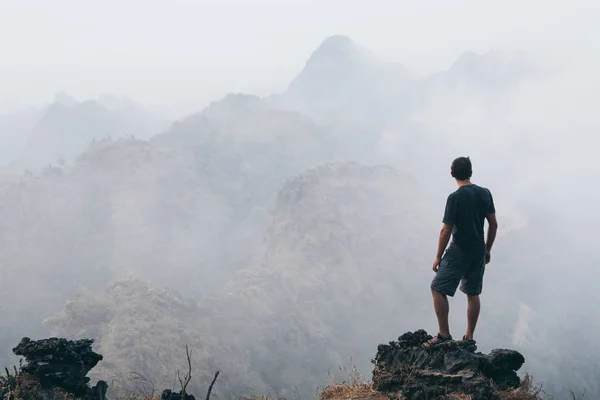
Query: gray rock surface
point(419, 373)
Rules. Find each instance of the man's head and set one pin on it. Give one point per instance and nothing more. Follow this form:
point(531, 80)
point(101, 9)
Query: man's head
point(461, 169)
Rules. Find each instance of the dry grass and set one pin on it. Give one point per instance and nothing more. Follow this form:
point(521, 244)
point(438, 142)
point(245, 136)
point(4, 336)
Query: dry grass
point(28, 388)
point(355, 388)
point(345, 391)
point(527, 391)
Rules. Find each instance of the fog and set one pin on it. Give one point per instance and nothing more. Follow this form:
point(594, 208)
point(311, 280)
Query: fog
point(194, 52)
point(266, 182)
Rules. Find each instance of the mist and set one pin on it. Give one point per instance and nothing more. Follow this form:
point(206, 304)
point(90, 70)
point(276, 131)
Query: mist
point(266, 183)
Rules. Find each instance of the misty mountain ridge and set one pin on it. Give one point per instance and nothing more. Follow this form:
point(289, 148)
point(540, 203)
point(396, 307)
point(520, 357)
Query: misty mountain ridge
point(15, 128)
point(342, 76)
point(498, 69)
point(343, 87)
point(66, 127)
point(359, 98)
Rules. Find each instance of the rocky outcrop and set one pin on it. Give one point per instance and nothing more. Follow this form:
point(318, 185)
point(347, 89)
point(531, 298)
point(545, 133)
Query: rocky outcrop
point(170, 395)
point(407, 370)
point(57, 368)
point(60, 363)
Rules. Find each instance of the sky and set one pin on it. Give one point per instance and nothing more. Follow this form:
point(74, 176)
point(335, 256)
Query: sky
point(178, 55)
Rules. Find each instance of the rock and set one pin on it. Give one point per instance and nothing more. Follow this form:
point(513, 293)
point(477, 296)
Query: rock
point(170, 395)
point(99, 390)
point(451, 367)
point(61, 363)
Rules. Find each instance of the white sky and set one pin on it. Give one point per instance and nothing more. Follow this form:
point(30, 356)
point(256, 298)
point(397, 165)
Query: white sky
point(177, 55)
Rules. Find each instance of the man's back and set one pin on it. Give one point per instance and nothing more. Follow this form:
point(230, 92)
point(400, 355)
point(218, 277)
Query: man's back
point(466, 210)
point(464, 261)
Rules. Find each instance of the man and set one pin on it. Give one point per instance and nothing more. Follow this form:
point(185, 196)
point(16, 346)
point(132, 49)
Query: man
point(465, 259)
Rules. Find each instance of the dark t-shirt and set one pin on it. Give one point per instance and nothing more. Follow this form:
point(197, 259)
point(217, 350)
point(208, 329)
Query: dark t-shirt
point(466, 209)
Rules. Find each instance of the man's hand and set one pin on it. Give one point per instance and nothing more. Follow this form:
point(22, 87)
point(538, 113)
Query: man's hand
point(488, 257)
point(436, 264)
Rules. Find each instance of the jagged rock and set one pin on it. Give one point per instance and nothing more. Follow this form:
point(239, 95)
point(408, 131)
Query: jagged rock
point(170, 395)
point(425, 374)
point(62, 363)
point(99, 390)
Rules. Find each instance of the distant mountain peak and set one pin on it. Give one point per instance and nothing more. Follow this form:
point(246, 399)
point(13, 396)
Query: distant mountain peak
point(339, 49)
point(234, 103)
point(64, 99)
point(499, 66)
point(342, 77)
point(334, 67)
point(336, 42)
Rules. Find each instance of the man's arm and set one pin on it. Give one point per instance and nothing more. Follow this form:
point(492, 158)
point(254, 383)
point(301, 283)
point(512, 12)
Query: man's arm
point(491, 234)
point(448, 223)
point(492, 227)
point(445, 234)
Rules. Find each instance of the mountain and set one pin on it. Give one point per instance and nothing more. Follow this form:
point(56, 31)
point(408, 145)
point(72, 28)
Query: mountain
point(345, 262)
point(188, 208)
point(486, 81)
point(247, 147)
point(124, 207)
point(366, 103)
point(496, 69)
point(67, 127)
point(342, 79)
point(342, 247)
point(14, 132)
point(350, 93)
point(151, 346)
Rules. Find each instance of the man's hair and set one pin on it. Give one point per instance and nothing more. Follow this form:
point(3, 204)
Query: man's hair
point(461, 168)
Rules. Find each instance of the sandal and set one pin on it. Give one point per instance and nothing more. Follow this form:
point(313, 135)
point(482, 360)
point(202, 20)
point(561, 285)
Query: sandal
point(435, 341)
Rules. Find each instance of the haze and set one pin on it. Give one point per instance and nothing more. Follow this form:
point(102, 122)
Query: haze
point(266, 182)
point(194, 52)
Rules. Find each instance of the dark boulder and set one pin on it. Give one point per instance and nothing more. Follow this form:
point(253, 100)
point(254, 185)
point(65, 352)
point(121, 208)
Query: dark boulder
point(170, 395)
point(61, 363)
point(405, 367)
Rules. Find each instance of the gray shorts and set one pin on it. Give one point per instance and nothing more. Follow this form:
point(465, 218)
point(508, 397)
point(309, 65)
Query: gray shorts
point(457, 267)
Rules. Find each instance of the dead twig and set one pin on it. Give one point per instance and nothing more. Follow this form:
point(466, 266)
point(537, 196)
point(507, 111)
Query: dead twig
point(188, 376)
point(211, 385)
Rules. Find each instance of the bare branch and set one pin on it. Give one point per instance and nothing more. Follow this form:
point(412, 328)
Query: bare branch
point(188, 376)
point(210, 388)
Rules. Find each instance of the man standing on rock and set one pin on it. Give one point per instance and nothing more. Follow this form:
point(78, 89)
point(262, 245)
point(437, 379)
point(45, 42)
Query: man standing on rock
point(465, 259)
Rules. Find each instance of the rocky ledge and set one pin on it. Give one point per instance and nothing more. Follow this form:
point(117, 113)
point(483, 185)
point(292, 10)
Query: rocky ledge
point(61, 364)
point(57, 368)
point(404, 369)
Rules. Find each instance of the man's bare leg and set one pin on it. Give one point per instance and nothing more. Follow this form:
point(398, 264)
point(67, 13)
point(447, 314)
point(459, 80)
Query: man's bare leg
point(442, 309)
point(473, 308)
